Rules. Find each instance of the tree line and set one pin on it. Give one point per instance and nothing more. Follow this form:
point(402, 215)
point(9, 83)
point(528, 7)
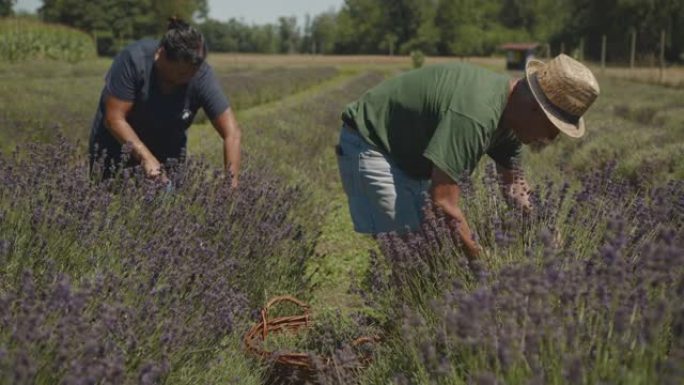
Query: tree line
point(435, 27)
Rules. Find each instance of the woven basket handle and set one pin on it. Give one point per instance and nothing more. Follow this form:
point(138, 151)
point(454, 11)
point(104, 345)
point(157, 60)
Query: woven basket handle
point(286, 298)
point(275, 301)
point(366, 340)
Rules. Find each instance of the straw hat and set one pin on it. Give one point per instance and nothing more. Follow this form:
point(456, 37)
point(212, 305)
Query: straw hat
point(565, 89)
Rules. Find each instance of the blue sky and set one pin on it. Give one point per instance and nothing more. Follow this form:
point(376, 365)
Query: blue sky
point(250, 11)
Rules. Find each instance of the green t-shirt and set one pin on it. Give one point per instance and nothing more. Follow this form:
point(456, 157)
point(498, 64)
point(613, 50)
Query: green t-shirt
point(446, 115)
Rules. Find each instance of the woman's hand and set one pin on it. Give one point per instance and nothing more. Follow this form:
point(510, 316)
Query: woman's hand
point(153, 169)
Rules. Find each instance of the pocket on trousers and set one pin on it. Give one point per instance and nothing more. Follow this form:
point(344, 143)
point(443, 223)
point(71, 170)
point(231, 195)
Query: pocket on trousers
point(371, 160)
point(348, 168)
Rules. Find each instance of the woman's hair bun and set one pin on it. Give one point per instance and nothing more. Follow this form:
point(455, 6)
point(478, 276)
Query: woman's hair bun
point(177, 23)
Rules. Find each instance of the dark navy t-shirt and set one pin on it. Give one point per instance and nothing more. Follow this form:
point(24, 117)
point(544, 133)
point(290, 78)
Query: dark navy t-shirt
point(160, 120)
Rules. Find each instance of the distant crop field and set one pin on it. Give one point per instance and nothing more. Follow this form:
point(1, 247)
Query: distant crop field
point(223, 59)
point(672, 76)
point(26, 39)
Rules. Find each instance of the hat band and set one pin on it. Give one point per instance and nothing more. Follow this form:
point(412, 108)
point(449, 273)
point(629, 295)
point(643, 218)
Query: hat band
point(550, 106)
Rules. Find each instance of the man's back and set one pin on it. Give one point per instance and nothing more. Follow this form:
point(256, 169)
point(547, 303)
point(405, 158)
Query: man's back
point(414, 116)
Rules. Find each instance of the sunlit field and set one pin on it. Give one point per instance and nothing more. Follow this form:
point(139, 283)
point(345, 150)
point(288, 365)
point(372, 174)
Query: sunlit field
point(126, 282)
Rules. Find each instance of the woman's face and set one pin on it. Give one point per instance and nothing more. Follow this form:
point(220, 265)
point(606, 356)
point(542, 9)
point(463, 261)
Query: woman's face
point(174, 73)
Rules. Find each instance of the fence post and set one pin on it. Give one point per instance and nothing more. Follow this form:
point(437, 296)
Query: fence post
point(662, 55)
point(97, 51)
point(603, 53)
point(632, 54)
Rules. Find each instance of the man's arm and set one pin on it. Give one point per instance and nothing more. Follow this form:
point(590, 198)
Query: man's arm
point(226, 125)
point(446, 194)
point(116, 111)
point(515, 187)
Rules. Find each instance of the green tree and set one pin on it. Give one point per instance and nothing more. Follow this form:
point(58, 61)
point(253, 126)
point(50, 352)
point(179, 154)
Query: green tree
point(425, 35)
point(288, 33)
point(265, 38)
point(360, 27)
point(616, 19)
point(116, 22)
point(6, 7)
point(184, 9)
point(464, 24)
point(323, 31)
point(539, 18)
point(218, 36)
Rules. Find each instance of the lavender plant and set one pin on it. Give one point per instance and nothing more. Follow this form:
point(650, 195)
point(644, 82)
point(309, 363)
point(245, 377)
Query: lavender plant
point(124, 282)
point(599, 304)
point(253, 88)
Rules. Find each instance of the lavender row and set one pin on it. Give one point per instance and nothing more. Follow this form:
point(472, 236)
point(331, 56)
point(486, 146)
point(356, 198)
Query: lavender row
point(586, 290)
point(251, 88)
point(126, 282)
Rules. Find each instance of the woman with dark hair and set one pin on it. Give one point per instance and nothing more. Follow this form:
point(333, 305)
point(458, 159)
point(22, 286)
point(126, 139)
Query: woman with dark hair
point(151, 95)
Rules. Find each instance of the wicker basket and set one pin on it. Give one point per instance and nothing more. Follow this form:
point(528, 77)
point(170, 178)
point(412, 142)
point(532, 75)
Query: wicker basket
point(258, 333)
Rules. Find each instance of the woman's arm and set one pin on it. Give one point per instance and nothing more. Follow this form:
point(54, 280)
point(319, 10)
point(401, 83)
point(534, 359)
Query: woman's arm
point(116, 111)
point(227, 127)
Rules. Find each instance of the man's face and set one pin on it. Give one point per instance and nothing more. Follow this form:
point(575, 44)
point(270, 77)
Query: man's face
point(538, 130)
point(174, 73)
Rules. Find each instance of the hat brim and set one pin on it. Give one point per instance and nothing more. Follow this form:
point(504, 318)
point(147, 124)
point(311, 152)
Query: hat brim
point(574, 129)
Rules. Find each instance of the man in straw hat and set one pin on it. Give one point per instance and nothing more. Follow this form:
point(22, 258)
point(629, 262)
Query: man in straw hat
point(421, 131)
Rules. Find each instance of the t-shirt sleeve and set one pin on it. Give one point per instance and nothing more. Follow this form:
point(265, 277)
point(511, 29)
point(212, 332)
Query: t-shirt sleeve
point(506, 151)
point(457, 145)
point(122, 77)
point(211, 96)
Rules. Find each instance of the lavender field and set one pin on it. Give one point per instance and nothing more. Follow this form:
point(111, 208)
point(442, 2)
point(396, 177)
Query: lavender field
point(125, 282)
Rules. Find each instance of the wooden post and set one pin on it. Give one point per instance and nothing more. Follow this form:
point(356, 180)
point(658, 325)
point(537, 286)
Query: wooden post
point(562, 47)
point(632, 54)
point(662, 55)
point(603, 53)
point(97, 51)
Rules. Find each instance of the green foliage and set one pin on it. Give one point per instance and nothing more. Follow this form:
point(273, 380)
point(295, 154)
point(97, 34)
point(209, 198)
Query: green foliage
point(6, 7)
point(288, 34)
point(25, 39)
point(117, 22)
point(323, 29)
point(417, 58)
point(616, 19)
point(234, 36)
point(436, 27)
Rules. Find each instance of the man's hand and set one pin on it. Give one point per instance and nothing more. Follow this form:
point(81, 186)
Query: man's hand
point(518, 194)
point(515, 188)
point(446, 194)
